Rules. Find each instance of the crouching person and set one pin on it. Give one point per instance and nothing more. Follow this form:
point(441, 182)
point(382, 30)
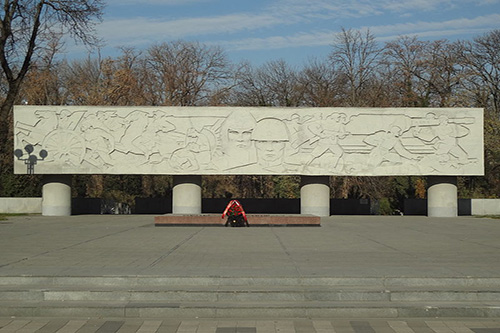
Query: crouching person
point(236, 216)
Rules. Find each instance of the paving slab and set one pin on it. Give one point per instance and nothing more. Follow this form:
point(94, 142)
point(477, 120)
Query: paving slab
point(91, 325)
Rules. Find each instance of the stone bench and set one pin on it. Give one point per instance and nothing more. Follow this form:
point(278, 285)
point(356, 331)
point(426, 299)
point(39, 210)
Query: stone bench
point(255, 220)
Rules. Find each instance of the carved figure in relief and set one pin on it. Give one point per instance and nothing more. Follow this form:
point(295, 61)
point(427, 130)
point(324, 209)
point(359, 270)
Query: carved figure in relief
point(184, 159)
point(387, 148)
point(444, 137)
point(150, 142)
point(298, 131)
point(196, 153)
point(237, 148)
point(99, 145)
point(206, 146)
point(136, 124)
point(65, 120)
point(327, 152)
point(271, 136)
point(112, 123)
point(34, 133)
point(447, 144)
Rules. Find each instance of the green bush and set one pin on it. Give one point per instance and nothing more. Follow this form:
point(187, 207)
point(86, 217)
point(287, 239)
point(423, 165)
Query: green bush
point(385, 207)
point(120, 197)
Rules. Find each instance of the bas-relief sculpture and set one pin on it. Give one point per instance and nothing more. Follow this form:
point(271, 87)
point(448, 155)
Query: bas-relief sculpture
point(227, 140)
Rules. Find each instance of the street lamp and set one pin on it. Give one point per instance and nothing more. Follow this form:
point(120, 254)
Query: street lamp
point(31, 160)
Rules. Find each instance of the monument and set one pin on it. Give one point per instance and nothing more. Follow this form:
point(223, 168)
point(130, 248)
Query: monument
point(189, 142)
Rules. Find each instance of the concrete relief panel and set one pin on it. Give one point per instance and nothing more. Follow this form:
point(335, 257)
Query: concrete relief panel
point(240, 140)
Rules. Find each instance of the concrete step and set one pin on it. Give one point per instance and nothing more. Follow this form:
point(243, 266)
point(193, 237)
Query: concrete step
point(242, 293)
point(266, 297)
point(131, 281)
point(276, 309)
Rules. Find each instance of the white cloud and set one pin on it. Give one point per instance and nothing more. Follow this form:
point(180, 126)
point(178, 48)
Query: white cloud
point(382, 33)
point(136, 29)
point(365, 8)
point(154, 2)
point(278, 42)
point(488, 2)
point(410, 5)
point(282, 12)
point(452, 27)
point(322, 9)
point(142, 31)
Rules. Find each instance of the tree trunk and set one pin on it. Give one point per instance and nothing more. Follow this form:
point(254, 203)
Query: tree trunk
point(6, 140)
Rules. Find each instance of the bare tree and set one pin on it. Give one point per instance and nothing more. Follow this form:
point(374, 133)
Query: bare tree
point(275, 83)
point(187, 72)
point(281, 81)
point(251, 89)
point(27, 26)
point(83, 81)
point(440, 72)
point(123, 79)
point(318, 84)
point(42, 84)
point(403, 58)
point(355, 56)
point(26, 29)
point(481, 61)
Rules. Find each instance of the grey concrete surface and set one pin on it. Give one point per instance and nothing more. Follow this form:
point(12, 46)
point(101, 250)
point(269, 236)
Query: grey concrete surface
point(345, 246)
point(111, 325)
point(21, 205)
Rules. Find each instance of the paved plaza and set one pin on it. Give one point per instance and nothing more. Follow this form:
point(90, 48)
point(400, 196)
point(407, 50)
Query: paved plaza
point(344, 246)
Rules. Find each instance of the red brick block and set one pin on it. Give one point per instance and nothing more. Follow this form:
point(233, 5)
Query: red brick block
point(253, 220)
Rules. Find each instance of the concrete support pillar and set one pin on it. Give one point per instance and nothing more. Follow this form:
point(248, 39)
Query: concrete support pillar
point(442, 196)
point(186, 196)
point(315, 195)
point(56, 195)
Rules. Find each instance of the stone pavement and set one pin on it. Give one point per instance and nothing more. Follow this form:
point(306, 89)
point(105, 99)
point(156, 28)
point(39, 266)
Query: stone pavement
point(110, 325)
point(344, 246)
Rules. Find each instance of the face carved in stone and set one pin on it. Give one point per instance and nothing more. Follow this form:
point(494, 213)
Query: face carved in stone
point(239, 138)
point(270, 151)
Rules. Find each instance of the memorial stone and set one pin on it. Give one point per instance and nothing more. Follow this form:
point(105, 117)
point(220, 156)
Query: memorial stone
point(251, 140)
point(189, 142)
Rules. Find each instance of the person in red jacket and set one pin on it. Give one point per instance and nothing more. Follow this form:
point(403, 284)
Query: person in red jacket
point(236, 216)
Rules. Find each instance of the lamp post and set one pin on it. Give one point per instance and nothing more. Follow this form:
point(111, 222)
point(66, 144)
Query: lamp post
point(31, 160)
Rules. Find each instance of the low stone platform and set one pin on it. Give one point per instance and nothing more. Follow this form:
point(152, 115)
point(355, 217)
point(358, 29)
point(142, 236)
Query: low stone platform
point(255, 220)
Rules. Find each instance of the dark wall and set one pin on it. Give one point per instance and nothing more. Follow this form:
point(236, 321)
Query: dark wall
point(153, 205)
point(419, 207)
point(80, 206)
point(464, 207)
point(415, 207)
point(254, 206)
point(350, 207)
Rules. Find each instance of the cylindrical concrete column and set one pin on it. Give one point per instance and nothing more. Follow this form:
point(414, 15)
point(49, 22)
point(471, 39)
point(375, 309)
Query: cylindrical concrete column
point(56, 195)
point(442, 196)
point(186, 195)
point(315, 195)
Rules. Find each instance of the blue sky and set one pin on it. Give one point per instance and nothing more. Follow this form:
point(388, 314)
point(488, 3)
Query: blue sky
point(293, 30)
